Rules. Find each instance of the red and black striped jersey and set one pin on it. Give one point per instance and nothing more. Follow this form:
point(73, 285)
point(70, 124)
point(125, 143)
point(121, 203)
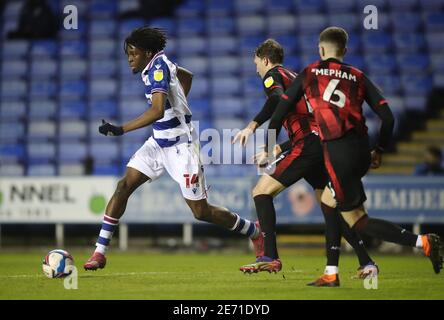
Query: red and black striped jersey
point(299, 122)
point(335, 92)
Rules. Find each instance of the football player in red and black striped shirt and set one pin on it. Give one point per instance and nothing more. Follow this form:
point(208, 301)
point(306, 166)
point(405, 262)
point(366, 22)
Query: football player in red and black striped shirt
point(303, 160)
point(335, 91)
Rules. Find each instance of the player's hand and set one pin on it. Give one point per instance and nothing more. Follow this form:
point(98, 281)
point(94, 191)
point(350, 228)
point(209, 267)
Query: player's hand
point(108, 129)
point(277, 150)
point(242, 136)
point(376, 159)
point(261, 159)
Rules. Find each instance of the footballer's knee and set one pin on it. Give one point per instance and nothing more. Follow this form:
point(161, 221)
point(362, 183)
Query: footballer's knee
point(201, 210)
point(124, 188)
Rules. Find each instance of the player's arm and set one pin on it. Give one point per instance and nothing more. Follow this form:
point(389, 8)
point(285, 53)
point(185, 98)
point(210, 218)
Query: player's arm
point(289, 98)
point(185, 78)
point(153, 114)
point(379, 105)
point(148, 117)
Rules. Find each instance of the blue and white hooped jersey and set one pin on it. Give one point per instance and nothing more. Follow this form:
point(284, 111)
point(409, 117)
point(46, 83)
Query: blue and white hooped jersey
point(160, 75)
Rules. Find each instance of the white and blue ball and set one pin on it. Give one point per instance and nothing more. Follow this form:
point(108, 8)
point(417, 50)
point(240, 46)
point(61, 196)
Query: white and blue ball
point(57, 264)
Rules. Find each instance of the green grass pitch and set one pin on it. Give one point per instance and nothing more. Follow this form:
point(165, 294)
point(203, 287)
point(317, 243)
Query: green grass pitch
point(215, 276)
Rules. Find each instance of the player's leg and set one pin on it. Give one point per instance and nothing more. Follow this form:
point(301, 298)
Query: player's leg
point(141, 168)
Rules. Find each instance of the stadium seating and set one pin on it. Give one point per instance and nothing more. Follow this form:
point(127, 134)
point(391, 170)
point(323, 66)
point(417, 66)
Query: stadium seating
point(54, 93)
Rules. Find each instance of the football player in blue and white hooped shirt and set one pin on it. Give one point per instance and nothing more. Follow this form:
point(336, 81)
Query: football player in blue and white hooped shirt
point(173, 148)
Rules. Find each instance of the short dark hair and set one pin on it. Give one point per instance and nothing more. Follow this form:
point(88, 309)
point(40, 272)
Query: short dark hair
point(335, 35)
point(435, 151)
point(146, 39)
point(270, 49)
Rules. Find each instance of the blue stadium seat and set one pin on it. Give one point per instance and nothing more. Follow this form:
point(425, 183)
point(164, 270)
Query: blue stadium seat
point(252, 86)
point(13, 69)
point(219, 8)
point(11, 153)
point(198, 65)
point(72, 130)
point(309, 43)
point(108, 151)
point(12, 110)
point(192, 46)
point(248, 7)
point(199, 88)
point(190, 8)
point(102, 88)
point(39, 130)
point(293, 62)
point(279, 6)
point(41, 170)
point(416, 84)
point(43, 89)
point(223, 45)
point(102, 109)
point(106, 169)
point(312, 23)
point(227, 107)
point(382, 64)
point(102, 9)
point(102, 68)
point(44, 48)
point(11, 170)
point(132, 108)
point(253, 106)
point(377, 42)
point(431, 5)
point(220, 26)
point(342, 6)
point(389, 84)
point(167, 24)
point(73, 68)
point(102, 28)
point(42, 109)
point(282, 24)
point(224, 65)
point(11, 131)
point(73, 169)
point(41, 152)
point(73, 48)
point(347, 21)
point(229, 123)
point(307, 59)
point(413, 63)
point(380, 4)
point(132, 88)
point(406, 21)
point(224, 86)
point(434, 21)
point(248, 67)
point(15, 49)
point(249, 43)
point(126, 26)
point(13, 89)
point(289, 42)
point(251, 25)
point(73, 109)
point(74, 34)
point(200, 108)
point(72, 152)
point(103, 48)
point(404, 5)
point(72, 89)
point(128, 149)
point(309, 6)
point(190, 27)
point(435, 42)
point(409, 42)
point(43, 68)
point(437, 62)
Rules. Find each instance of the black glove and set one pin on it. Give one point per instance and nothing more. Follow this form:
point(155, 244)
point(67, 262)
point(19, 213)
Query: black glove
point(108, 129)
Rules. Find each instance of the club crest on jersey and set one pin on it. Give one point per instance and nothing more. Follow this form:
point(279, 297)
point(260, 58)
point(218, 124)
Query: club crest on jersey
point(268, 82)
point(158, 75)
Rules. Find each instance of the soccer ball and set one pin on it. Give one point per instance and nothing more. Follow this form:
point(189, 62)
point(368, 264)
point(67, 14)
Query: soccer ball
point(57, 264)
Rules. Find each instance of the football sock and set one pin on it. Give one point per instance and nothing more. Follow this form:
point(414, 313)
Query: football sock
point(330, 270)
point(267, 219)
point(246, 227)
point(332, 234)
point(353, 238)
point(386, 231)
point(109, 225)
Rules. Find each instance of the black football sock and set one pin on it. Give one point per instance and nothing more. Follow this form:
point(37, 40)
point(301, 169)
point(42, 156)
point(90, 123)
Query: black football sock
point(332, 235)
point(267, 219)
point(385, 230)
point(353, 238)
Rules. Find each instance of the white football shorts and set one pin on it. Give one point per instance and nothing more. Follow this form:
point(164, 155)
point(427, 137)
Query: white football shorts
point(181, 161)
